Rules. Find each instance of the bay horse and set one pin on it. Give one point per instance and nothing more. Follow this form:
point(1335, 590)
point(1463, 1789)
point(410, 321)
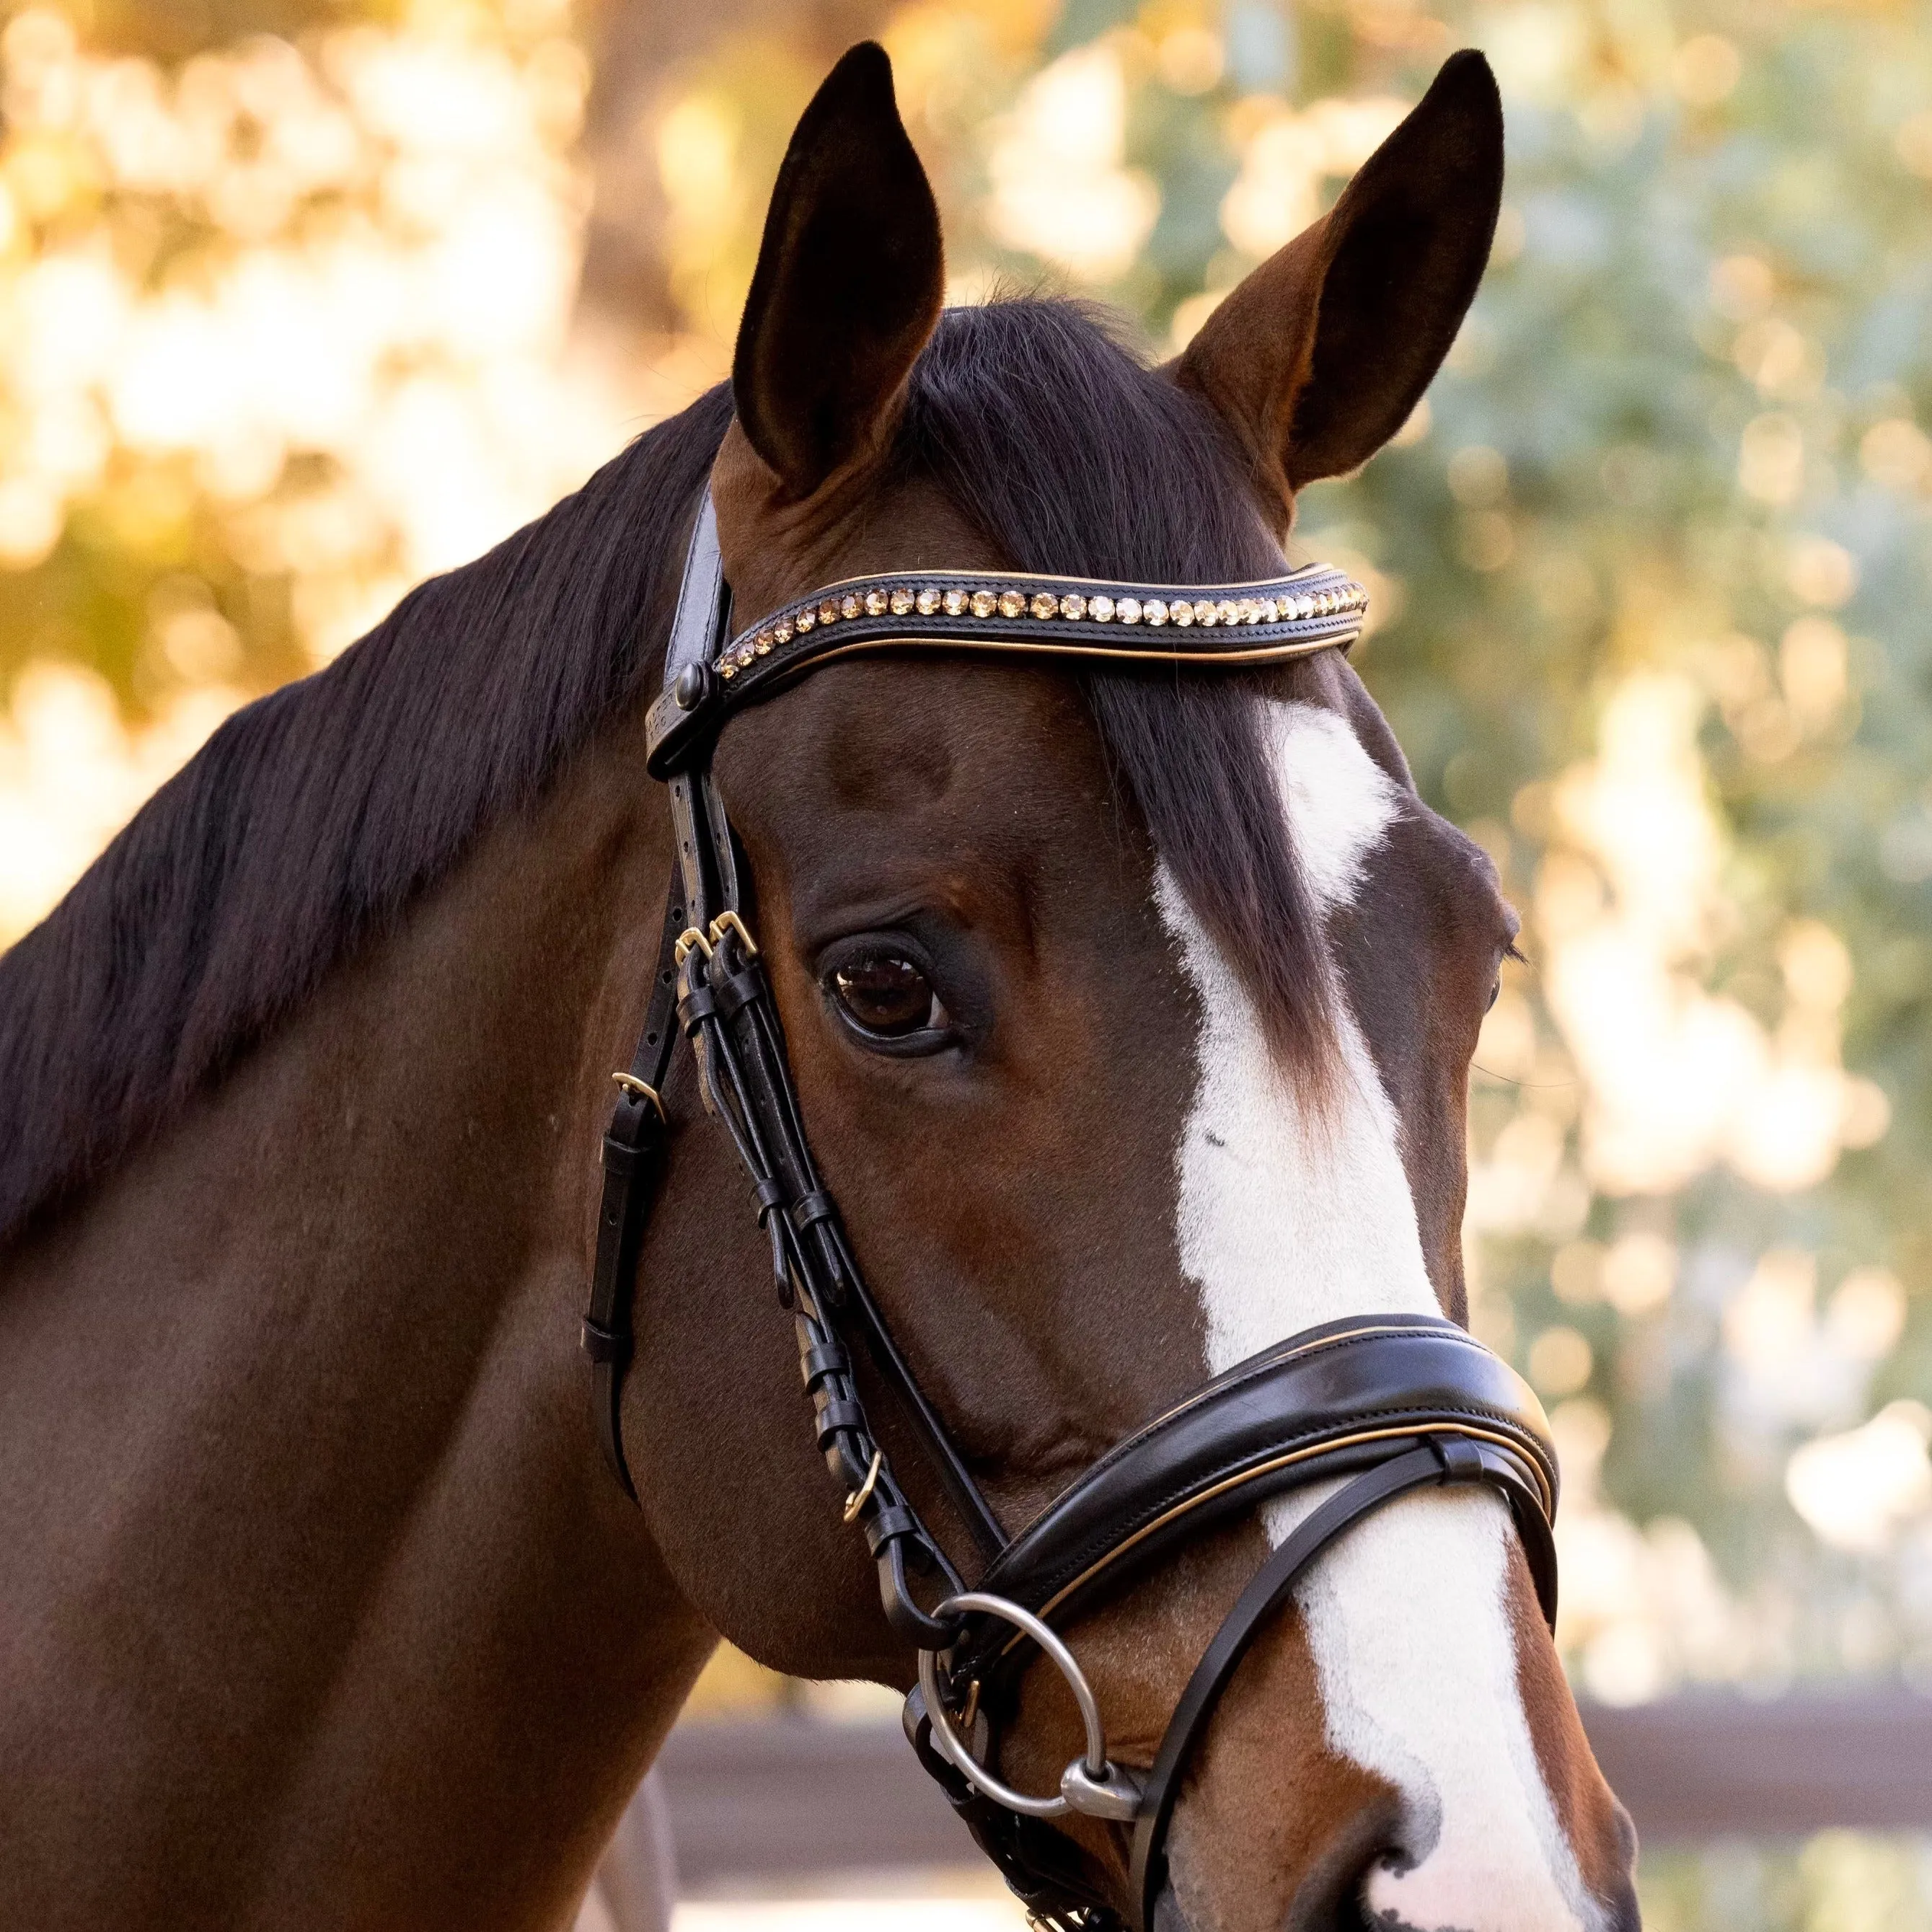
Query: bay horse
point(1132, 1014)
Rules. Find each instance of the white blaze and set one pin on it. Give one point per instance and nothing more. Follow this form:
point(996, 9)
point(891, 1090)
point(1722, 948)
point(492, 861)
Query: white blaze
point(1282, 1226)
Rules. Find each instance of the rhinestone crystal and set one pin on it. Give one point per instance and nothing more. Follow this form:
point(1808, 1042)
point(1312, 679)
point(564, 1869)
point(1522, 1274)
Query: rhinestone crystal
point(1181, 612)
point(805, 619)
point(761, 643)
point(956, 602)
point(902, 600)
point(727, 671)
point(781, 631)
point(1129, 608)
point(1228, 611)
point(928, 600)
point(984, 603)
point(1249, 611)
point(1154, 611)
point(1206, 611)
point(1012, 603)
point(1101, 608)
point(1044, 604)
point(828, 612)
point(1073, 605)
point(877, 603)
point(850, 604)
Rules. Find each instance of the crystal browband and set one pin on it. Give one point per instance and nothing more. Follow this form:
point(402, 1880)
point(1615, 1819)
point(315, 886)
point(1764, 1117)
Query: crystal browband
point(1317, 607)
point(1302, 605)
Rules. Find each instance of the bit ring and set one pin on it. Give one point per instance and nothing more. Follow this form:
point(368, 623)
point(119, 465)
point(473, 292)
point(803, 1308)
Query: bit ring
point(1089, 1784)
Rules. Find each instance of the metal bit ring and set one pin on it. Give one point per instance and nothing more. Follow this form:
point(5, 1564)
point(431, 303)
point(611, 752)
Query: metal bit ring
point(1089, 1784)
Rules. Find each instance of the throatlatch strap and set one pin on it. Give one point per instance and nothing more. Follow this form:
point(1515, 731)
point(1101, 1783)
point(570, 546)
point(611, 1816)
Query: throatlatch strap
point(634, 1146)
point(637, 1140)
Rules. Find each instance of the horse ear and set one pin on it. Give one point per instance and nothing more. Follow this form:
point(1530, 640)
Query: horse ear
point(1317, 358)
point(849, 283)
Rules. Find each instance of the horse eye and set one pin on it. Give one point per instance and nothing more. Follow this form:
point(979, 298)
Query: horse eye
point(885, 993)
point(1494, 993)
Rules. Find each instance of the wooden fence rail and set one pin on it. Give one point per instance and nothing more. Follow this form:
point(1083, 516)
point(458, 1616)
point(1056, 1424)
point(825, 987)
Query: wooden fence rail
point(773, 1796)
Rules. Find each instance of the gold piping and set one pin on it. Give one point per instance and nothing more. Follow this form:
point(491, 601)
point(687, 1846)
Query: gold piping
point(1275, 653)
point(1283, 1462)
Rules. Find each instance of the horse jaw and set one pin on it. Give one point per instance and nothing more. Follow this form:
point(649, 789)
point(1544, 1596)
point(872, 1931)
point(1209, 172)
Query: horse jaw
point(1284, 1222)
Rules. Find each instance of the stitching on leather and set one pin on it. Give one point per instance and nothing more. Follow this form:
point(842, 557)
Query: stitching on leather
point(1260, 1365)
point(1263, 1365)
point(1395, 1418)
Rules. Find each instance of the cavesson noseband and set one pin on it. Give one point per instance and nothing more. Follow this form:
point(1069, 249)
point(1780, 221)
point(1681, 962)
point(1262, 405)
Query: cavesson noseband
point(1388, 1403)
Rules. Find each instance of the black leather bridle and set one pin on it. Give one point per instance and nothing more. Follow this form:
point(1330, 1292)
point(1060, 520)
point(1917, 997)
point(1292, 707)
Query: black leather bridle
point(1377, 1405)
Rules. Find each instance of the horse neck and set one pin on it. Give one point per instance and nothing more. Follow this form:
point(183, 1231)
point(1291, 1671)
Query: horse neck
point(318, 1606)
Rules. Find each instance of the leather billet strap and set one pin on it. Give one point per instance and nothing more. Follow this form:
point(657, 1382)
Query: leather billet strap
point(991, 612)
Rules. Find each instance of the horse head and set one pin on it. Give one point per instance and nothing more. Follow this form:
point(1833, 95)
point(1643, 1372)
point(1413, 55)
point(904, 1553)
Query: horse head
point(1132, 1016)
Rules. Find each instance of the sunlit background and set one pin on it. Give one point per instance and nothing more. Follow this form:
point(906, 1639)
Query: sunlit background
point(302, 299)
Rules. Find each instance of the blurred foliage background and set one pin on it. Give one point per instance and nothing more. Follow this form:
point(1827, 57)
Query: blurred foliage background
point(302, 299)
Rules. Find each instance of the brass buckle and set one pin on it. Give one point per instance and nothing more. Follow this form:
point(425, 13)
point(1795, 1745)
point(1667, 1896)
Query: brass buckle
point(728, 921)
point(643, 1089)
point(856, 1501)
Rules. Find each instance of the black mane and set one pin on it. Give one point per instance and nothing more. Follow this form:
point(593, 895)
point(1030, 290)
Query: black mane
point(314, 818)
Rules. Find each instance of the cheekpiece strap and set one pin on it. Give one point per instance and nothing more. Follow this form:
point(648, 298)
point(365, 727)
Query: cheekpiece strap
point(1313, 609)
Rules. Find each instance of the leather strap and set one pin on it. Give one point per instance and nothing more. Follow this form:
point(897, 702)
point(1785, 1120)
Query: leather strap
point(1417, 1469)
point(637, 1141)
point(761, 1110)
point(1314, 609)
point(1327, 1402)
point(1389, 1403)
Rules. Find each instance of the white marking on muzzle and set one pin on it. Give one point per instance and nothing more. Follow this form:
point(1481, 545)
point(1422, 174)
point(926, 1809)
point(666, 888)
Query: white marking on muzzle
point(1283, 1223)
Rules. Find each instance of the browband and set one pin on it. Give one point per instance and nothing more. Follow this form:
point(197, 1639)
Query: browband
point(1315, 608)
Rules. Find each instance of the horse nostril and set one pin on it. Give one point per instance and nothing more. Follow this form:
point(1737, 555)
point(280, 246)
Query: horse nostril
point(1332, 1892)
